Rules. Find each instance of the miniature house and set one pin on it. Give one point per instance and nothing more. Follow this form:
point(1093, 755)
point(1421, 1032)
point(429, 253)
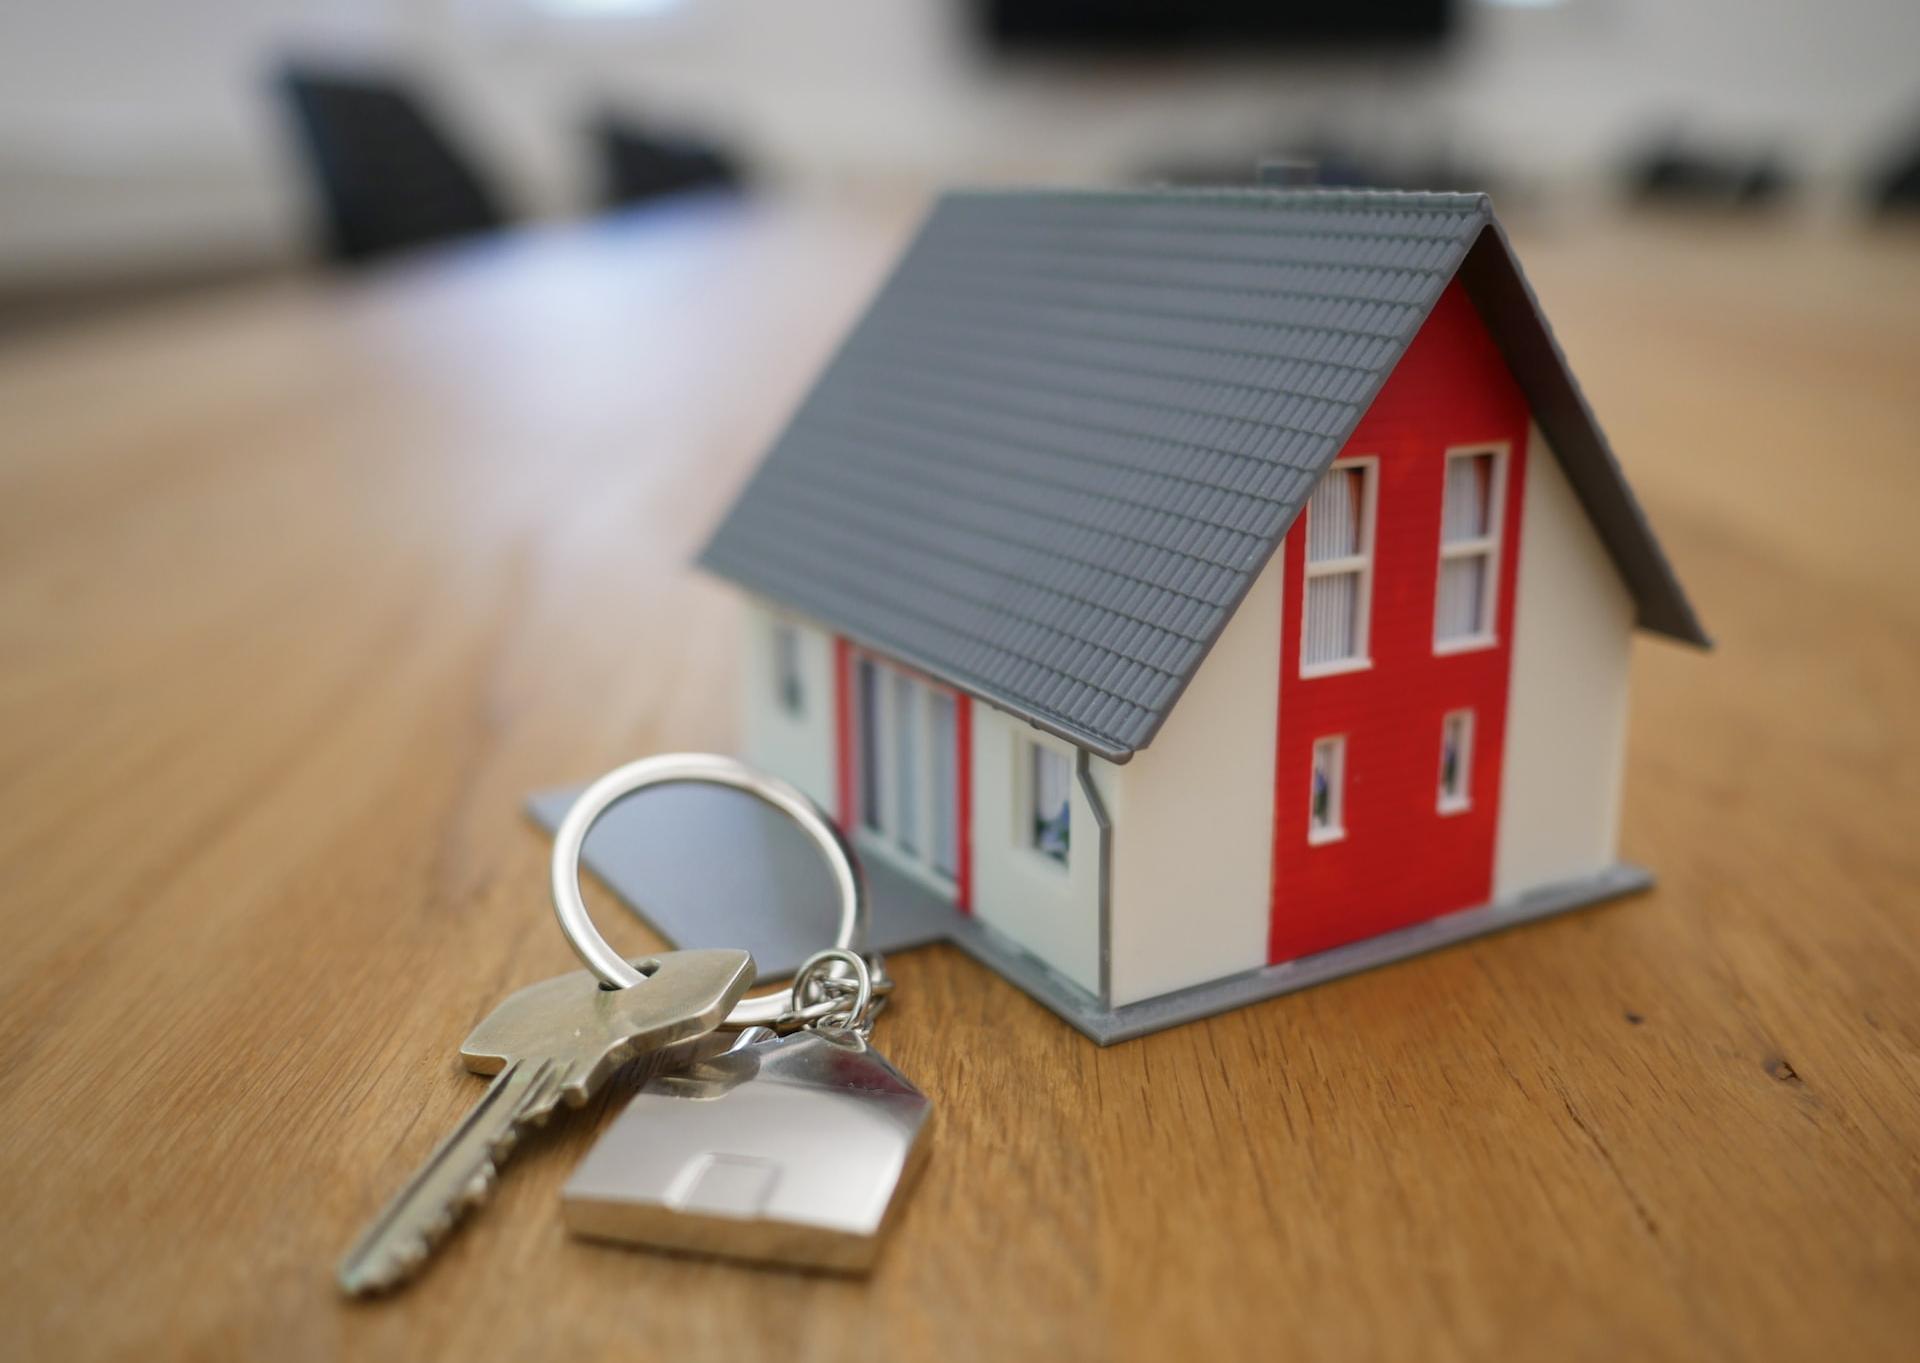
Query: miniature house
point(1202, 592)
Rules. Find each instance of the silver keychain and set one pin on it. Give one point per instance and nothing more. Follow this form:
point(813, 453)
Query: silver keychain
point(559, 1041)
point(795, 1146)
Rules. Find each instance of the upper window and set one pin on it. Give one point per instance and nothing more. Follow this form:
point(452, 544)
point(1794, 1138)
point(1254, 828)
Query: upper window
point(1469, 549)
point(1327, 791)
point(1456, 761)
point(1339, 569)
point(789, 687)
point(1049, 801)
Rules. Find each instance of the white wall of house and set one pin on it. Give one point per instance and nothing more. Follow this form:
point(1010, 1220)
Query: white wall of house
point(1567, 705)
point(1049, 909)
point(1189, 886)
point(1193, 818)
point(798, 747)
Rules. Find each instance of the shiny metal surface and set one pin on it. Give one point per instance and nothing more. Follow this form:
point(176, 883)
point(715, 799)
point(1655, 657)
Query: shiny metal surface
point(791, 1150)
point(551, 1042)
point(835, 988)
point(709, 768)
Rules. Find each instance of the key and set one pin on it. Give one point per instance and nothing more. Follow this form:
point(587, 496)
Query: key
point(550, 1042)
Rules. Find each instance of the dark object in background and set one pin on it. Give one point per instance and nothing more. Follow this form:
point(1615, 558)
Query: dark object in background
point(388, 177)
point(1669, 172)
point(1148, 25)
point(636, 165)
point(1895, 187)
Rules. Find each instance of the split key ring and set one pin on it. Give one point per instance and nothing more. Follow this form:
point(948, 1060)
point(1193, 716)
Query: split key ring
point(764, 1010)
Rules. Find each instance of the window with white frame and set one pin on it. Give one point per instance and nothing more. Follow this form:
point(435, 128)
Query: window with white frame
point(867, 705)
point(1049, 779)
point(1469, 549)
point(1456, 761)
point(1326, 792)
point(905, 718)
point(789, 688)
point(906, 766)
point(943, 768)
point(1339, 569)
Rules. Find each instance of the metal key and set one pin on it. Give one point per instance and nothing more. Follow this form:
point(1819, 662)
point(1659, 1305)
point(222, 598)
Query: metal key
point(553, 1041)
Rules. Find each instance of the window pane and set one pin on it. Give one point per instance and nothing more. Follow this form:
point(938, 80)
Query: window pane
point(1456, 758)
point(1051, 802)
point(1334, 516)
point(867, 698)
point(1333, 618)
point(1467, 513)
point(906, 761)
point(786, 666)
point(1325, 793)
point(1460, 612)
point(940, 761)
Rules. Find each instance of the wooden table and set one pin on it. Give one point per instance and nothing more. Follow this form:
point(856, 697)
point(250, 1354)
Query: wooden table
point(302, 589)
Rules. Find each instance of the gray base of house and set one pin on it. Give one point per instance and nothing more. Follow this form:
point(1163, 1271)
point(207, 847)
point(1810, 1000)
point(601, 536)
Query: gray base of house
point(1108, 1025)
point(704, 867)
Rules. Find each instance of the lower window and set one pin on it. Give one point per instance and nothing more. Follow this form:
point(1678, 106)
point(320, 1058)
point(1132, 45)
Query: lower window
point(789, 686)
point(1326, 791)
point(1049, 801)
point(1456, 761)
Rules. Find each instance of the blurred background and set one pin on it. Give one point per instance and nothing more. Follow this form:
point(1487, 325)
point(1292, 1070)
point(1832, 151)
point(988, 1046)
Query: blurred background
point(162, 147)
point(371, 373)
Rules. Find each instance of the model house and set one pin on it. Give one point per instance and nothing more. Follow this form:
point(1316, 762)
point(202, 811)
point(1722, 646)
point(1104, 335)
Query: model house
point(1202, 592)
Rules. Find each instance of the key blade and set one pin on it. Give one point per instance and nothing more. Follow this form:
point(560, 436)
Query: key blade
point(457, 1175)
point(690, 992)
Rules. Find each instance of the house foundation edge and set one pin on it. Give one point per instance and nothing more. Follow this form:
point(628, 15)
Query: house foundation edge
point(1107, 1025)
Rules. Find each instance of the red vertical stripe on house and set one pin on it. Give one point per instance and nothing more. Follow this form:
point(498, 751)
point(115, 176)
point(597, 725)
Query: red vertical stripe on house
point(963, 800)
point(843, 735)
point(1402, 860)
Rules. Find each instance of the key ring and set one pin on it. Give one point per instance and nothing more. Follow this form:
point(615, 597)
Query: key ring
point(820, 997)
point(764, 1010)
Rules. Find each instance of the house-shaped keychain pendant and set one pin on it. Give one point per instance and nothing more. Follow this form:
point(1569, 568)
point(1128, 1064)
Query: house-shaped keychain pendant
point(790, 1150)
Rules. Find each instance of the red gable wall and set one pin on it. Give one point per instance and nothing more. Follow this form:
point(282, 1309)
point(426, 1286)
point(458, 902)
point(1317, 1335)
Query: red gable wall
point(1402, 860)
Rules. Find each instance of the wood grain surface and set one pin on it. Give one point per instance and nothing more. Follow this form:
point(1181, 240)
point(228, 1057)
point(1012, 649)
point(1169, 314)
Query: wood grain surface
point(302, 588)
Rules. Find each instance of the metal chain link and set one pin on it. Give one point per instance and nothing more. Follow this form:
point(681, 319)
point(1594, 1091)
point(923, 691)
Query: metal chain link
point(838, 989)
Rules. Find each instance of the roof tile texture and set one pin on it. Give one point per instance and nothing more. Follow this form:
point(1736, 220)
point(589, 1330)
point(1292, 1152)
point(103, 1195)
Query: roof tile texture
point(1072, 427)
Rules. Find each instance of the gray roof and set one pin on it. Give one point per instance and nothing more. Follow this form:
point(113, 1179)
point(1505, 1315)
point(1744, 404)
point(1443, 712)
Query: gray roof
point(1073, 426)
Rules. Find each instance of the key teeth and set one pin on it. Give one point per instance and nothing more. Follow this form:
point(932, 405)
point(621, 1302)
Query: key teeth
point(478, 1188)
point(394, 1267)
point(401, 1259)
point(534, 1117)
point(532, 1097)
point(404, 1258)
